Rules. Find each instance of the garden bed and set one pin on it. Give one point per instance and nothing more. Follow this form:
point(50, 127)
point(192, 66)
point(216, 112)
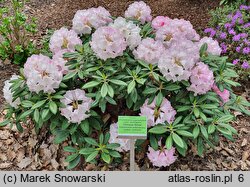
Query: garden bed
point(37, 150)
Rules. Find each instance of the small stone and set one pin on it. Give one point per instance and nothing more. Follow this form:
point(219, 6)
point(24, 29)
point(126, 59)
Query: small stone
point(244, 142)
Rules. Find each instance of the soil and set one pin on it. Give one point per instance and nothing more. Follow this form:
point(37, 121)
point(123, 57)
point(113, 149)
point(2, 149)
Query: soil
point(28, 151)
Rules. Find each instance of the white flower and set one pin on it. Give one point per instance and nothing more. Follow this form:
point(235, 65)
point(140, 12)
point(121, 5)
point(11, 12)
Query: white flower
point(42, 74)
point(124, 143)
point(85, 20)
point(213, 46)
point(130, 31)
point(77, 106)
point(149, 50)
point(108, 42)
point(178, 60)
point(139, 11)
point(7, 93)
point(64, 39)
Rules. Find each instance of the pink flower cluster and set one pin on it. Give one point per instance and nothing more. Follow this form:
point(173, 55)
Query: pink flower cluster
point(60, 62)
point(77, 106)
point(85, 21)
point(108, 42)
point(64, 39)
point(149, 51)
point(155, 115)
point(42, 74)
point(224, 95)
point(213, 45)
point(130, 31)
point(202, 79)
point(160, 21)
point(139, 11)
point(162, 157)
point(178, 60)
point(124, 143)
point(7, 93)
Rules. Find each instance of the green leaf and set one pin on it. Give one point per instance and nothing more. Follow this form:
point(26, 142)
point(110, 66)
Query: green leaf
point(61, 136)
point(106, 138)
point(131, 86)
point(196, 112)
point(85, 126)
point(110, 91)
point(177, 139)
point(159, 99)
point(112, 146)
point(45, 113)
point(183, 108)
point(204, 131)
point(196, 131)
point(101, 138)
point(71, 157)
point(200, 147)
point(87, 151)
point(92, 156)
point(36, 115)
point(69, 75)
point(38, 104)
point(172, 87)
point(158, 130)
point(118, 82)
point(224, 130)
point(209, 106)
point(74, 163)
point(184, 133)
point(25, 114)
point(225, 119)
point(53, 107)
point(4, 123)
point(169, 142)
point(211, 129)
point(27, 104)
point(104, 90)
point(177, 120)
point(70, 149)
point(105, 157)
point(114, 154)
point(90, 84)
point(91, 141)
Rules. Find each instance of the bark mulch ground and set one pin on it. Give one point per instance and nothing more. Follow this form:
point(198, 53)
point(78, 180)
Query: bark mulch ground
point(28, 151)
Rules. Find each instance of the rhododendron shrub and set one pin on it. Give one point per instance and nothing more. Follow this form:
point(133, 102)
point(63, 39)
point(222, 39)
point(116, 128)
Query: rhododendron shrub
point(127, 66)
point(233, 35)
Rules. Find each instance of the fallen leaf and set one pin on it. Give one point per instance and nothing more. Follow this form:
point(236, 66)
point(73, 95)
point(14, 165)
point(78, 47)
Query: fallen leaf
point(245, 155)
point(24, 163)
point(5, 165)
point(244, 142)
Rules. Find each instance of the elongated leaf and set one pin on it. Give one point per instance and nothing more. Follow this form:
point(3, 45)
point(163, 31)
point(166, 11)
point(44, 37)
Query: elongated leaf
point(92, 156)
point(87, 151)
point(70, 149)
point(4, 123)
point(90, 84)
point(53, 107)
point(204, 131)
point(131, 86)
point(169, 142)
point(196, 131)
point(69, 75)
point(158, 130)
point(118, 82)
point(114, 154)
point(112, 146)
point(25, 114)
point(38, 104)
point(159, 99)
point(91, 141)
point(184, 133)
point(177, 139)
point(106, 158)
point(104, 90)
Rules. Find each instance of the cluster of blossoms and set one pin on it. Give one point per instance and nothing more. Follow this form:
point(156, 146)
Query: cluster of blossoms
point(124, 143)
point(161, 157)
point(158, 115)
point(77, 106)
point(233, 36)
point(174, 50)
point(7, 93)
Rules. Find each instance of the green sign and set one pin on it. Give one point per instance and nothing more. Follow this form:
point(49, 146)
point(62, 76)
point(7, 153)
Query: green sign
point(132, 127)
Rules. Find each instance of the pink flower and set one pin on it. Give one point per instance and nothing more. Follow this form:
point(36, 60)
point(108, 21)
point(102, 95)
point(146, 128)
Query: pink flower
point(202, 79)
point(178, 60)
point(60, 62)
point(64, 39)
point(161, 158)
point(139, 11)
point(108, 42)
point(124, 143)
point(130, 31)
point(42, 74)
point(213, 45)
point(224, 95)
point(85, 20)
point(7, 93)
point(149, 51)
point(77, 106)
point(159, 22)
point(186, 28)
point(165, 113)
